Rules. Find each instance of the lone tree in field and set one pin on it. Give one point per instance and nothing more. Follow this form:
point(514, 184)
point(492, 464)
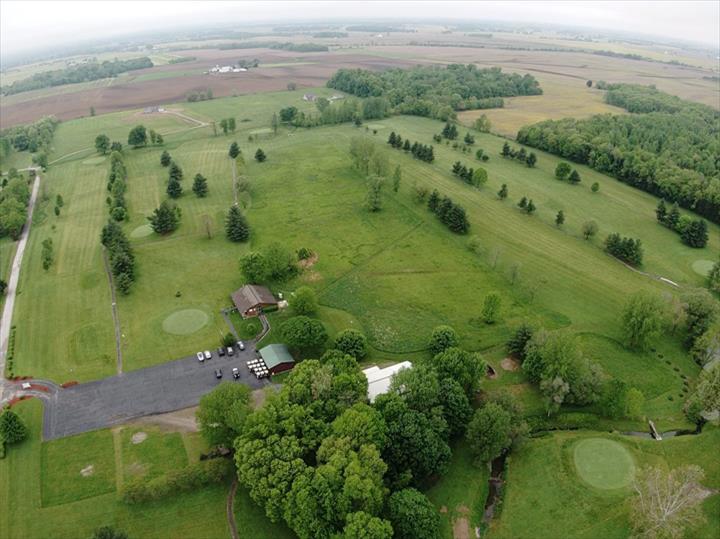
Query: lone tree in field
point(503, 192)
point(165, 218)
point(165, 159)
point(642, 319)
point(595, 187)
point(574, 177)
point(260, 155)
point(352, 342)
point(530, 208)
point(304, 301)
point(236, 226)
point(523, 203)
point(397, 176)
point(12, 428)
point(200, 187)
point(560, 218)
point(491, 308)
point(234, 150)
point(589, 229)
point(102, 144)
point(562, 170)
point(138, 136)
point(667, 504)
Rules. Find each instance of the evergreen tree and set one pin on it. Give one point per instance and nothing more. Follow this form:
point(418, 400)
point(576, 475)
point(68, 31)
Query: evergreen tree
point(574, 177)
point(503, 192)
point(165, 218)
point(174, 189)
point(531, 160)
point(505, 150)
point(560, 218)
point(469, 139)
point(433, 201)
point(523, 203)
point(391, 139)
point(175, 172)
point(695, 234)
point(373, 201)
point(12, 428)
point(165, 159)
point(530, 208)
point(234, 150)
point(406, 145)
point(236, 226)
point(673, 218)
point(200, 187)
point(661, 211)
point(260, 155)
point(397, 176)
point(159, 139)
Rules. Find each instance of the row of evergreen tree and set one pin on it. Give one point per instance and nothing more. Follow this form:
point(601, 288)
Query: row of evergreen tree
point(626, 249)
point(693, 232)
point(122, 259)
point(475, 177)
point(452, 215)
point(520, 155)
point(117, 185)
point(418, 151)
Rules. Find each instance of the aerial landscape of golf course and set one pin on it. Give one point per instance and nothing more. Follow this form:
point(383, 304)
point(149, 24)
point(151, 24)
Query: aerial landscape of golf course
point(521, 228)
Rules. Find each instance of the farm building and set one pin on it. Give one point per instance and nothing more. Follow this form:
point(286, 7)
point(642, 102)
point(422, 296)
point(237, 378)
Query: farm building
point(277, 358)
point(250, 300)
point(379, 379)
point(309, 97)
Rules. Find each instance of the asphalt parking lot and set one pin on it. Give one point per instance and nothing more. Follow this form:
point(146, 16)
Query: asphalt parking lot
point(154, 390)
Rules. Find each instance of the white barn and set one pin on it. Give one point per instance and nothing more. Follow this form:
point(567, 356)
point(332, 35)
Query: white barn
point(379, 379)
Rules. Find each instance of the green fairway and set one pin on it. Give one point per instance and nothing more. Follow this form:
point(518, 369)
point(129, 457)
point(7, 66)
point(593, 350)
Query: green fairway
point(94, 160)
point(703, 267)
point(185, 322)
point(603, 463)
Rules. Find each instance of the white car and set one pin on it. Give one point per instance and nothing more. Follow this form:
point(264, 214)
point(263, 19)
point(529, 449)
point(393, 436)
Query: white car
point(201, 357)
point(241, 345)
point(229, 350)
point(208, 355)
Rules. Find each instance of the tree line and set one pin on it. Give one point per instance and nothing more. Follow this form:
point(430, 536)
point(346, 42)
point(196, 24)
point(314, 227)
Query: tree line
point(74, 74)
point(475, 177)
point(450, 214)
point(433, 91)
point(332, 113)
point(669, 147)
point(14, 199)
point(519, 155)
point(32, 138)
point(285, 46)
point(122, 259)
point(418, 150)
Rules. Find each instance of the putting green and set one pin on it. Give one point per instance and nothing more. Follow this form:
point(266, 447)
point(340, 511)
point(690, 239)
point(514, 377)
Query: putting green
point(603, 463)
point(185, 322)
point(94, 160)
point(142, 231)
point(702, 267)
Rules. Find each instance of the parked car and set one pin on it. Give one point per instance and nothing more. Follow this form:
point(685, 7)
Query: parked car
point(241, 345)
point(236, 373)
point(221, 351)
point(208, 355)
point(230, 350)
point(200, 357)
point(218, 373)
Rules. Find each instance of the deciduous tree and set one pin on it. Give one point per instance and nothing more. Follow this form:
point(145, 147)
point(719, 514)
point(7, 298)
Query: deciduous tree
point(353, 343)
point(222, 413)
point(412, 515)
point(642, 319)
point(489, 432)
point(304, 301)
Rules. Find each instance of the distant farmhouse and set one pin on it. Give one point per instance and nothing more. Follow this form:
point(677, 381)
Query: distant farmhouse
point(379, 379)
point(227, 69)
point(251, 299)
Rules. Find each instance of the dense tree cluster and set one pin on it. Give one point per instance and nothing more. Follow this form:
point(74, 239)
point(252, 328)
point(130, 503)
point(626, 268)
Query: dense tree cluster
point(693, 232)
point(337, 112)
point(433, 91)
point(122, 259)
point(475, 177)
point(77, 73)
point(200, 95)
point(669, 148)
point(418, 150)
point(33, 138)
point(450, 131)
point(14, 199)
point(228, 125)
point(519, 155)
point(626, 249)
point(273, 263)
point(451, 214)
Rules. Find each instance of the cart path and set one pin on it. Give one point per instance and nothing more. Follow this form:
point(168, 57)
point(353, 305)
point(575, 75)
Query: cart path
point(6, 321)
point(116, 315)
point(230, 512)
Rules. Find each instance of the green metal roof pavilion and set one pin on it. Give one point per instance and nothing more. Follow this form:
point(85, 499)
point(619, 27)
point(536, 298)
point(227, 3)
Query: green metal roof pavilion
point(276, 354)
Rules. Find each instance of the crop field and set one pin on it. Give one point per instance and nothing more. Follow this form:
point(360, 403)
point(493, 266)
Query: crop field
point(70, 486)
point(546, 496)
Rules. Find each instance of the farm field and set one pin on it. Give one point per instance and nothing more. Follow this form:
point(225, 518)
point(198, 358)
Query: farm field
point(42, 487)
point(546, 497)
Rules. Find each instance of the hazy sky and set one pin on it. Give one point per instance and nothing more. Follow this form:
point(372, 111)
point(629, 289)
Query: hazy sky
point(27, 24)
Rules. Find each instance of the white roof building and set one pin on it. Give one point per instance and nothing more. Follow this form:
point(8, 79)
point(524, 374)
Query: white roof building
point(379, 379)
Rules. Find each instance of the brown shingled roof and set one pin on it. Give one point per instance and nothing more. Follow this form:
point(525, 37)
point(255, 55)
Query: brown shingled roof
point(250, 296)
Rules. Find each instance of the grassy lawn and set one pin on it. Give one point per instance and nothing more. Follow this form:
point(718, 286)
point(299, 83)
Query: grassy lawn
point(545, 497)
point(461, 493)
point(41, 488)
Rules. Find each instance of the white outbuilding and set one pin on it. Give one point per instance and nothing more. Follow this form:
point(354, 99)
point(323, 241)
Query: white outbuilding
point(379, 379)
